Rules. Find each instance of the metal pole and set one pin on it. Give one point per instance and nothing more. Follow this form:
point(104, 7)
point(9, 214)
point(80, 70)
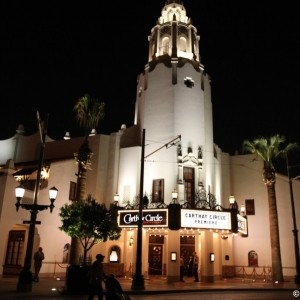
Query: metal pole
point(295, 230)
point(25, 278)
point(138, 278)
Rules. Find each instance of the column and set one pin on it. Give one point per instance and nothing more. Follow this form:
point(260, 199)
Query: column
point(207, 247)
point(173, 245)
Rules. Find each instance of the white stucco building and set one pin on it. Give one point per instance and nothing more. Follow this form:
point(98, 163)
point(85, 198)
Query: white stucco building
point(173, 105)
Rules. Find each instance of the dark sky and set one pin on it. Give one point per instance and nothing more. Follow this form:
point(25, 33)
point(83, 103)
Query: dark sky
point(53, 52)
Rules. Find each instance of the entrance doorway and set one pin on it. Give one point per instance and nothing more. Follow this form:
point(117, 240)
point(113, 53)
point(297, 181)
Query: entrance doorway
point(155, 259)
point(155, 256)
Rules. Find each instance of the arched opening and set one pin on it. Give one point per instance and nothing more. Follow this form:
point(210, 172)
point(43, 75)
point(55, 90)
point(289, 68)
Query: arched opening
point(114, 254)
point(165, 45)
point(182, 44)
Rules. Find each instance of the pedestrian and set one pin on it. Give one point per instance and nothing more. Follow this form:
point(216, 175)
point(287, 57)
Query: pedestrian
point(196, 263)
point(38, 258)
point(190, 267)
point(96, 276)
point(181, 268)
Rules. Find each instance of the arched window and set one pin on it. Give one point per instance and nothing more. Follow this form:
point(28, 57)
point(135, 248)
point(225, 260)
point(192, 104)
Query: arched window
point(252, 259)
point(114, 254)
point(165, 45)
point(182, 44)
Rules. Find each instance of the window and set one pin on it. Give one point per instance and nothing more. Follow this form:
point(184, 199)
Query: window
point(250, 207)
point(165, 45)
point(72, 191)
point(126, 194)
point(189, 185)
point(189, 82)
point(15, 248)
point(158, 190)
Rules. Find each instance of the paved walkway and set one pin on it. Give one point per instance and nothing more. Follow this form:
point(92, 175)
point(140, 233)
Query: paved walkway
point(154, 285)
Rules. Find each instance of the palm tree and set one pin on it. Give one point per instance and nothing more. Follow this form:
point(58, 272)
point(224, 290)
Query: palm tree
point(268, 149)
point(88, 113)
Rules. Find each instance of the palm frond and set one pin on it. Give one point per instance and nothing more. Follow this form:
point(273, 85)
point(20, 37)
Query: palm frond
point(269, 148)
point(88, 112)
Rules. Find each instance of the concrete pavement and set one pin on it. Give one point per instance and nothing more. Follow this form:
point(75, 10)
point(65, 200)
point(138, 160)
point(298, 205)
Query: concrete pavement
point(52, 287)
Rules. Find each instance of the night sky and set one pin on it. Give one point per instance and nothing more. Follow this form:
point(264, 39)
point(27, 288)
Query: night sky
point(53, 52)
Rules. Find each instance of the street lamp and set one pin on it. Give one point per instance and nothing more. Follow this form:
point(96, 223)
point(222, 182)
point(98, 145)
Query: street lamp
point(295, 230)
point(25, 278)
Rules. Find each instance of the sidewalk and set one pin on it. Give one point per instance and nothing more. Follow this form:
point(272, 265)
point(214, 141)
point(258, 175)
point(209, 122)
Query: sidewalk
point(153, 285)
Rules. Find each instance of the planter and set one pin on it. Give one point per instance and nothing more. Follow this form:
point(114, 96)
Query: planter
point(76, 279)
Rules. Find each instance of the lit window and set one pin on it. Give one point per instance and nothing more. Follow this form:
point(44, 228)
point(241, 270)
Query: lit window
point(158, 190)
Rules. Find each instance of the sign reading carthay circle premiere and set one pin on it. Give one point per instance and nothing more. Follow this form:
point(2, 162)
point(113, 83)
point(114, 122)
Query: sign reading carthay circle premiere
point(205, 219)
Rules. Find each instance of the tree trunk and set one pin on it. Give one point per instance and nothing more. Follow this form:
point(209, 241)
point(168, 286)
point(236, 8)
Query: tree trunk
point(76, 250)
point(76, 247)
point(274, 233)
point(81, 183)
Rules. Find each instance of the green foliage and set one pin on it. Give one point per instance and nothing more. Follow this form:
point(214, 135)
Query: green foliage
point(88, 113)
point(268, 149)
point(90, 221)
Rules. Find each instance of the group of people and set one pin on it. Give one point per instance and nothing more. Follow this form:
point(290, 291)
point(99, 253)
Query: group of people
point(192, 268)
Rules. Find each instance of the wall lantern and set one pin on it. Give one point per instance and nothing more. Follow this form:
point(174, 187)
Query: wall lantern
point(131, 241)
point(243, 209)
point(233, 203)
point(212, 257)
point(116, 199)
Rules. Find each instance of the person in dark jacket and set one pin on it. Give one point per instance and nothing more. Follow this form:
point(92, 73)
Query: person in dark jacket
point(190, 267)
point(38, 258)
point(96, 276)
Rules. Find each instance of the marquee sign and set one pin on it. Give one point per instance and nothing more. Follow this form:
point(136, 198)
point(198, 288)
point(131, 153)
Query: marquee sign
point(151, 218)
point(205, 219)
point(242, 225)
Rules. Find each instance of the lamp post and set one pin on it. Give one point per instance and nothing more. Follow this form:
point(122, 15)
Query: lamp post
point(25, 278)
point(295, 230)
point(138, 282)
point(138, 279)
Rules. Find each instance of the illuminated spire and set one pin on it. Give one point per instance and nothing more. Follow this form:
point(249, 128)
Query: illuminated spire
point(174, 37)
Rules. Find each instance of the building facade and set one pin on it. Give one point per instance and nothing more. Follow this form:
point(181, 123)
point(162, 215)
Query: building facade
point(174, 107)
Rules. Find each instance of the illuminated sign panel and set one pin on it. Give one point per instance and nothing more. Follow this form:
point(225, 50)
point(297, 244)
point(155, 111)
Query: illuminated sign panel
point(205, 219)
point(242, 225)
point(151, 218)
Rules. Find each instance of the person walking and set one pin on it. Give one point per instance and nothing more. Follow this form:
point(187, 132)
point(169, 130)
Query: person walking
point(181, 268)
point(96, 275)
point(196, 263)
point(38, 258)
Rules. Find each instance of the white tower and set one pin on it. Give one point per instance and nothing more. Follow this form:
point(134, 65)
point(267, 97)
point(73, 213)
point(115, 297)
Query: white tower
point(174, 98)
